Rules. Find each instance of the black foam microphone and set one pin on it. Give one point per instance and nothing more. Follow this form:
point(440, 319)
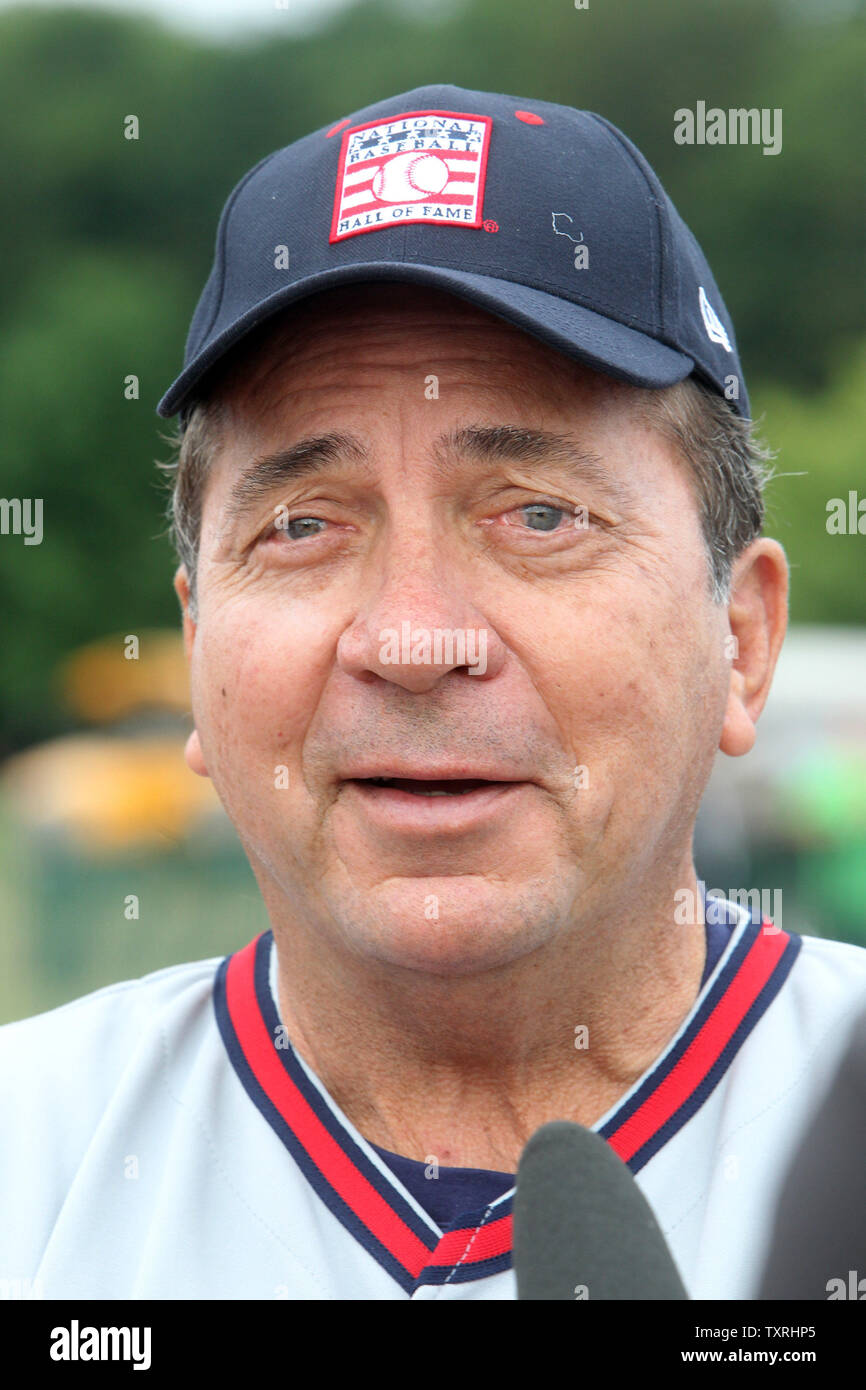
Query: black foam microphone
point(582, 1226)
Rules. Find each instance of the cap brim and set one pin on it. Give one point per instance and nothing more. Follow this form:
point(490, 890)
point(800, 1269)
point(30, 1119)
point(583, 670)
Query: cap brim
point(605, 344)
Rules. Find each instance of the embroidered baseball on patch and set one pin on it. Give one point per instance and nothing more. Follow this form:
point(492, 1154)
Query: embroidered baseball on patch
point(423, 166)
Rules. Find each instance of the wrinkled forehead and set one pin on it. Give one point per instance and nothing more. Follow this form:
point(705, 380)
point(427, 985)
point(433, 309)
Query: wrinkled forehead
point(398, 325)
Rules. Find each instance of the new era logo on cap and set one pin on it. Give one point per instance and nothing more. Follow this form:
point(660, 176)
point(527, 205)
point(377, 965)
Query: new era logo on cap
point(716, 331)
point(423, 166)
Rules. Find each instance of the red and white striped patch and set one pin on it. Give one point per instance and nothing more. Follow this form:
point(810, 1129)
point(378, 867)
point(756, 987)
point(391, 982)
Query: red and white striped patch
point(423, 166)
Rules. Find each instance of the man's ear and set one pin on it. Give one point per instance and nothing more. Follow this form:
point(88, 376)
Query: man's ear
point(758, 617)
point(193, 752)
point(181, 588)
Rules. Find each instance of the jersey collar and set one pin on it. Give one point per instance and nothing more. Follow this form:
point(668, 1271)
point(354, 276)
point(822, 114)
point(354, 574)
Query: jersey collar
point(362, 1192)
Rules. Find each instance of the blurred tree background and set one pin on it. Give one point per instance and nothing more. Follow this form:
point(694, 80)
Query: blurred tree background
point(106, 243)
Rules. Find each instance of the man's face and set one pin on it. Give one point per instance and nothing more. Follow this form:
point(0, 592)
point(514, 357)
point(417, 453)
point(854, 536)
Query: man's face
point(577, 576)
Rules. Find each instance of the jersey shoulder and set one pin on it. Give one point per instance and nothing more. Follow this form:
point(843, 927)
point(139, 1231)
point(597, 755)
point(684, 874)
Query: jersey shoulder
point(76, 1080)
point(125, 999)
point(68, 1061)
point(801, 1037)
point(829, 974)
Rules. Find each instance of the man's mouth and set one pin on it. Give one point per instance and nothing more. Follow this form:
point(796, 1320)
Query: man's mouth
point(437, 787)
point(413, 806)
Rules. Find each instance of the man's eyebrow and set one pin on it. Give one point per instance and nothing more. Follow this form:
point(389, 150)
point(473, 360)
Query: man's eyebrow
point(308, 456)
point(488, 444)
point(518, 444)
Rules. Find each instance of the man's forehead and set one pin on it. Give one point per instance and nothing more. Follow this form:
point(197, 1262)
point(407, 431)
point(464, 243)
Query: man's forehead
point(394, 324)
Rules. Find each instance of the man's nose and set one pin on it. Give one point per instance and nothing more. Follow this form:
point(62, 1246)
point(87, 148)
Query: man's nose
point(419, 622)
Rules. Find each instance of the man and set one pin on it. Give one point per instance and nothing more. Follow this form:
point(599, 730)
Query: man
point(473, 588)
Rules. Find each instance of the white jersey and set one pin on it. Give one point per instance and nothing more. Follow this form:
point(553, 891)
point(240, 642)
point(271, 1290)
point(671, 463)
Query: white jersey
point(163, 1140)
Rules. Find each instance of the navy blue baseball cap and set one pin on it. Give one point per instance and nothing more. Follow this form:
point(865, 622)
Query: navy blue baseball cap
point(545, 216)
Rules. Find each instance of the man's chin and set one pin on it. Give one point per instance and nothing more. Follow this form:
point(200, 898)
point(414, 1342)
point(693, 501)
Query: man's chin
point(451, 927)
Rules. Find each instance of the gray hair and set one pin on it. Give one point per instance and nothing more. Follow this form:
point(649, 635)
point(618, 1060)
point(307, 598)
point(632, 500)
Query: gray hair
point(730, 469)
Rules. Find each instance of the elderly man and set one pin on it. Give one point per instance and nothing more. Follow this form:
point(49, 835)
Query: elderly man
point(473, 589)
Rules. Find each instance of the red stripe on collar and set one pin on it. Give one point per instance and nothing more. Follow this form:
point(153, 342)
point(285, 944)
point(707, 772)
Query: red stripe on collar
point(471, 1245)
point(335, 1165)
point(705, 1048)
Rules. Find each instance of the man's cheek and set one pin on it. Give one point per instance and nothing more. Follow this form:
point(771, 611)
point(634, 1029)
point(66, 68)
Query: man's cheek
point(251, 737)
point(229, 725)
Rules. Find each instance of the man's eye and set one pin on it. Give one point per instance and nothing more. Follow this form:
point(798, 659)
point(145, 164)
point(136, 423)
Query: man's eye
point(541, 516)
point(297, 528)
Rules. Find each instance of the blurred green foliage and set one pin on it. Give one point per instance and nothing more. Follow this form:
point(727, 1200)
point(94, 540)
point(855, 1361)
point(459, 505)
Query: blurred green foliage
point(819, 440)
point(106, 243)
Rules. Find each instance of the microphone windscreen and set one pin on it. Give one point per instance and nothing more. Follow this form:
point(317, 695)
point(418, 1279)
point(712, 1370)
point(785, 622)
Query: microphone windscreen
point(582, 1226)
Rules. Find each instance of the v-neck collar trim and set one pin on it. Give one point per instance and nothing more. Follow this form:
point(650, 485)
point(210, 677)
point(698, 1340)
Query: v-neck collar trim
point(368, 1199)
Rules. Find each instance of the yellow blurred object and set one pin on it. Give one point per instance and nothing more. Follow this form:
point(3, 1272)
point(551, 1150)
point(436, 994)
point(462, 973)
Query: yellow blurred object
point(109, 793)
point(117, 675)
